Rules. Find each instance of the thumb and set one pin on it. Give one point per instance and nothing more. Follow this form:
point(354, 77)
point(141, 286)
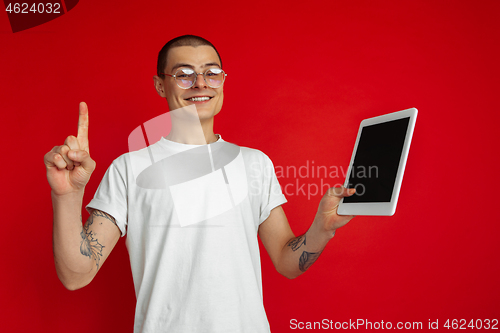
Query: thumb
point(340, 192)
point(82, 157)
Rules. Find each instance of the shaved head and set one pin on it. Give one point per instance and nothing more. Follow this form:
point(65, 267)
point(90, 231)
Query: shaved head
point(186, 40)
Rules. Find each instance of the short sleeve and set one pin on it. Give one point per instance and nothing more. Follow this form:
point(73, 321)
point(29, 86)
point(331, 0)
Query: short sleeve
point(271, 194)
point(111, 196)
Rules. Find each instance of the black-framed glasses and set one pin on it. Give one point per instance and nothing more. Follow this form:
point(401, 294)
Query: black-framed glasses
point(186, 77)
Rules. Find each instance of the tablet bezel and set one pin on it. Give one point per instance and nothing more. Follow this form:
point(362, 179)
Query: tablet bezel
point(381, 208)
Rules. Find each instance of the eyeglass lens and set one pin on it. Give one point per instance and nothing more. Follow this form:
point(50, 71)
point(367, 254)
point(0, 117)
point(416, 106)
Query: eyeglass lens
point(185, 77)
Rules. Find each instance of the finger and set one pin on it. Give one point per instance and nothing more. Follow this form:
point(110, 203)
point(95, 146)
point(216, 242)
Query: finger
point(52, 160)
point(63, 151)
point(48, 160)
point(341, 191)
point(82, 157)
point(72, 142)
point(83, 127)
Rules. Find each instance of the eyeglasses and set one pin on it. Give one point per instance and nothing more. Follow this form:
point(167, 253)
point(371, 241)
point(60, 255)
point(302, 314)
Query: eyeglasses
point(186, 77)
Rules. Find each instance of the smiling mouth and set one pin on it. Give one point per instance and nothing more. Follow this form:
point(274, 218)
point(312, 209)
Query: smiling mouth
point(199, 99)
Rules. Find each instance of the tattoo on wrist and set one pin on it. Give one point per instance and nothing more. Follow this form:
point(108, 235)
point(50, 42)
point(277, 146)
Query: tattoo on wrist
point(307, 259)
point(296, 243)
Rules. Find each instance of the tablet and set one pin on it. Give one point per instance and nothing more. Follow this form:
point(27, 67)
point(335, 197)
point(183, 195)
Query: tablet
point(378, 163)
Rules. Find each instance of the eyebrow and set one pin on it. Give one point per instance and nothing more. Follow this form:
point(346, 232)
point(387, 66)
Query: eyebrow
point(191, 66)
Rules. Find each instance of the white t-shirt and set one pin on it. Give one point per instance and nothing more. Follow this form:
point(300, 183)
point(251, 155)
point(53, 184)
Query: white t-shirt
point(193, 242)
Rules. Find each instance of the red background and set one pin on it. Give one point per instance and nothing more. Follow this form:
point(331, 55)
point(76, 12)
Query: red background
point(436, 258)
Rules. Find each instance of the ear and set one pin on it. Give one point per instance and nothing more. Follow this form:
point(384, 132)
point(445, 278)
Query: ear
point(159, 86)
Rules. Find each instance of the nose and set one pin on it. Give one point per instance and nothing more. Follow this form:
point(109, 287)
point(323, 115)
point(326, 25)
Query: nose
point(199, 82)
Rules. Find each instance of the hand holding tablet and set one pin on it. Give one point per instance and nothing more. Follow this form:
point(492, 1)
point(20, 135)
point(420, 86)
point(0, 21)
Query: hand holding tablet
point(377, 164)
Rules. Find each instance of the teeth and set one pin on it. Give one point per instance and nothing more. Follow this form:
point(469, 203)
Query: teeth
point(199, 99)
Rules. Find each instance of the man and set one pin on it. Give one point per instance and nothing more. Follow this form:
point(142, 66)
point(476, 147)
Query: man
point(190, 275)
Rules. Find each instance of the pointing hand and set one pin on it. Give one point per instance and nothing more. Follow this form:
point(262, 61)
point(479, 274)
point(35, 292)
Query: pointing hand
point(69, 166)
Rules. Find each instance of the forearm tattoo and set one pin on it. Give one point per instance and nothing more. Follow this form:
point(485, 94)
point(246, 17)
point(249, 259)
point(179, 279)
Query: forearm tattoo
point(307, 259)
point(90, 246)
point(296, 243)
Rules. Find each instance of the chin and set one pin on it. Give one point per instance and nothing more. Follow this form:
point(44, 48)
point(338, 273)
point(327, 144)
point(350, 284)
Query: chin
point(206, 115)
point(206, 109)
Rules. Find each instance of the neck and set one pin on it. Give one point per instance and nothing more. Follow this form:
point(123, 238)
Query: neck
point(188, 129)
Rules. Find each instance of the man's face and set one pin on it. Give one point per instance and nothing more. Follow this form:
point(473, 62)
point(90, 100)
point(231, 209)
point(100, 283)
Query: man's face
point(200, 59)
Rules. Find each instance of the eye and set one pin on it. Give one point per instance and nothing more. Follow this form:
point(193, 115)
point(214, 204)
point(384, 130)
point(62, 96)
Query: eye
point(214, 71)
point(184, 73)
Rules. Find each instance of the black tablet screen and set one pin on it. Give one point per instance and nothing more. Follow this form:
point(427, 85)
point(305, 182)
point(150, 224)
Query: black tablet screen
point(377, 160)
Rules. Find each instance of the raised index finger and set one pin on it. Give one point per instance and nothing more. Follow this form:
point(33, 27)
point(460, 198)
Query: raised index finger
point(83, 127)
